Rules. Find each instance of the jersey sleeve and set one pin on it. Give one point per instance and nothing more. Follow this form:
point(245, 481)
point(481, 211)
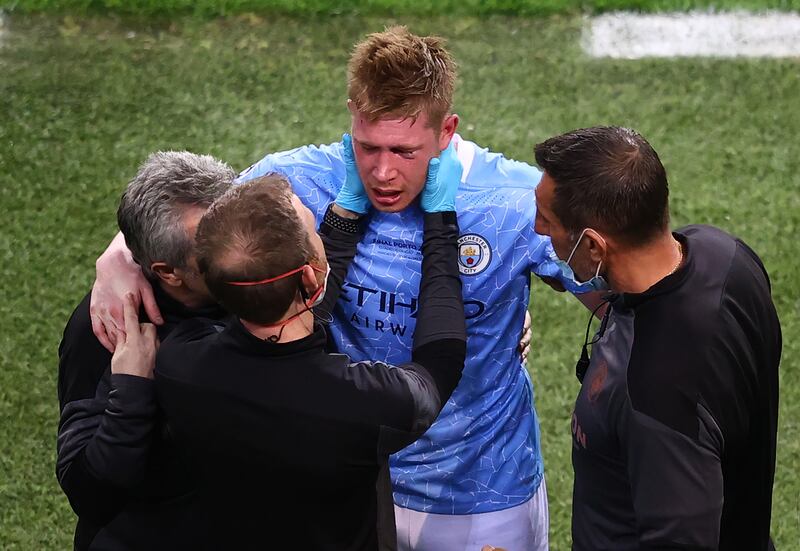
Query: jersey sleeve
point(300, 161)
point(316, 173)
point(260, 168)
point(543, 264)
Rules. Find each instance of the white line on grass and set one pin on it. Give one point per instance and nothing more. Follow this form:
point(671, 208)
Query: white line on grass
point(694, 34)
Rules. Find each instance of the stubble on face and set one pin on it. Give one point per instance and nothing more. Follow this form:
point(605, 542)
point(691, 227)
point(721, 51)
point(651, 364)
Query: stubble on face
point(563, 241)
point(197, 293)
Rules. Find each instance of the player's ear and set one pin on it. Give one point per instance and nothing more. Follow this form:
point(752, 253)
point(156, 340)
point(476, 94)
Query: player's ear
point(449, 125)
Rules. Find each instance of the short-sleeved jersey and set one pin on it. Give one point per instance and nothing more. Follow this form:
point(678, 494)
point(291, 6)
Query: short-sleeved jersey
point(482, 454)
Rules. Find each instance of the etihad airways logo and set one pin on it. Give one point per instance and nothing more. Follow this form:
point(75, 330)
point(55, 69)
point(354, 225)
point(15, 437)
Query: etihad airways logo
point(390, 303)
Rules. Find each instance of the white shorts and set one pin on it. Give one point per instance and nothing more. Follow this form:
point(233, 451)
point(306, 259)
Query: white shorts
point(520, 528)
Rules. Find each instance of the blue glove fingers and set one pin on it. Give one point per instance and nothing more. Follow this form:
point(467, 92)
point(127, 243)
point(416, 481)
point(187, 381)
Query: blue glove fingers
point(433, 173)
point(441, 185)
point(349, 156)
point(352, 196)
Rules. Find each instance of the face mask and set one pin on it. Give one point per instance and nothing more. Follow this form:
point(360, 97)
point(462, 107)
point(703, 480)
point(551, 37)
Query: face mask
point(597, 283)
point(320, 296)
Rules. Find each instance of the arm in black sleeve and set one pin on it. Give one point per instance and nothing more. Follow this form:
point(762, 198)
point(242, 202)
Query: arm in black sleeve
point(439, 347)
point(340, 237)
point(103, 444)
point(118, 451)
point(105, 425)
point(440, 336)
point(90, 498)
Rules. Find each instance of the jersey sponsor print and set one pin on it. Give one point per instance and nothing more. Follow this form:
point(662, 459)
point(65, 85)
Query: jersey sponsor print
point(482, 454)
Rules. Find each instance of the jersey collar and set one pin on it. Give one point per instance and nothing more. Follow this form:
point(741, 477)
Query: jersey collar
point(465, 151)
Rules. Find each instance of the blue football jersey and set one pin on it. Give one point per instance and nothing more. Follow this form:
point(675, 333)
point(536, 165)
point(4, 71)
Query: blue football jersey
point(483, 452)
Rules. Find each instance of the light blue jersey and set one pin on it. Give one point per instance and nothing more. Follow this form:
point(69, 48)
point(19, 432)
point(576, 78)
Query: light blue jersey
point(483, 452)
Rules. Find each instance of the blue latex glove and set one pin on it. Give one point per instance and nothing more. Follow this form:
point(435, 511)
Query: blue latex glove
point(352, 196)
point(441, 185)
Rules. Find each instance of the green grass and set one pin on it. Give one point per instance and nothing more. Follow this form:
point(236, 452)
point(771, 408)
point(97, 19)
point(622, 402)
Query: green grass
point(207, 8)
point(82, 102)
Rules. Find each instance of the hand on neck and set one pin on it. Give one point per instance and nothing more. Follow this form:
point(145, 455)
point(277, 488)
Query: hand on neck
point(635, 270)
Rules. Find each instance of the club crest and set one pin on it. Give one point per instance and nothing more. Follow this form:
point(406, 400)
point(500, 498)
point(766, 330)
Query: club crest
point(474, 254)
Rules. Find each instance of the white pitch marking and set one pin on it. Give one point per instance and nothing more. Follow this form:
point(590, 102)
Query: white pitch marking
point(694, 34)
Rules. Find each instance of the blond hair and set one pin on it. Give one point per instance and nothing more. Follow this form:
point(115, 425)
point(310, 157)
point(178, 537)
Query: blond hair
point(398, 74)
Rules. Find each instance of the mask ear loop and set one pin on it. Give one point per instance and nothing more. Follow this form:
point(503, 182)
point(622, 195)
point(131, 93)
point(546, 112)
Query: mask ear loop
point(322, 316)
point(325, 318)
point(319, 315)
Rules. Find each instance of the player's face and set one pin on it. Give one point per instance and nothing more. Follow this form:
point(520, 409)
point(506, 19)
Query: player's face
point(393, 154)
point(547, 223)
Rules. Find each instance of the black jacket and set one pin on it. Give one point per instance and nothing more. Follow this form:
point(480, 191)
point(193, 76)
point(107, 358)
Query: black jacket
point(289, 443)
point(114, 463)
point(674, 429)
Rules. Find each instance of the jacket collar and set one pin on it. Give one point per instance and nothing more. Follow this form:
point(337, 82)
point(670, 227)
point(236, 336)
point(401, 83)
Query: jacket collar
point(235, 333)
point(663, 286)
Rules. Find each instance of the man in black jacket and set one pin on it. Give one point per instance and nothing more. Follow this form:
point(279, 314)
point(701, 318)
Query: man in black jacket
point(674, 427)
point(289, 444)
point(113, 465)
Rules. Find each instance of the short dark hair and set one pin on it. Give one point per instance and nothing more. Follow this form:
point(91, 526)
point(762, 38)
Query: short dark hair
point(608, 178)
point(150, 213)
point(249, 234)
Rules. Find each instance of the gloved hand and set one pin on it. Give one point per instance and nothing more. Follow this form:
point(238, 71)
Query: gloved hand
point(352, 196)
point(441, 185)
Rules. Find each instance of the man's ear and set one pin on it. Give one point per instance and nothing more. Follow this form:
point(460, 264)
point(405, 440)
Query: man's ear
point(449, 125)
point(166, 273)
point(598, 246)
point(309, 279)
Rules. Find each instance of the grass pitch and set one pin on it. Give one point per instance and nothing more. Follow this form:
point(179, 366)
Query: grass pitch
point(83, 101)
point(306, 8)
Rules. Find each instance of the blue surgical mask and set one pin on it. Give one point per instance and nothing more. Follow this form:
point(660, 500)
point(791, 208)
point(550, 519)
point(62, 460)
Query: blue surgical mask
point(597, 283)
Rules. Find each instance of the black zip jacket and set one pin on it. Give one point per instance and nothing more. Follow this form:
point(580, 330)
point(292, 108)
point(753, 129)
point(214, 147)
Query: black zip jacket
point(289, 443)
point(114, 464)
point(674, 428)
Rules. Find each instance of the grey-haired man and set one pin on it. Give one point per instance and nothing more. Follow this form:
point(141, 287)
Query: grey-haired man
point(116, 469)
